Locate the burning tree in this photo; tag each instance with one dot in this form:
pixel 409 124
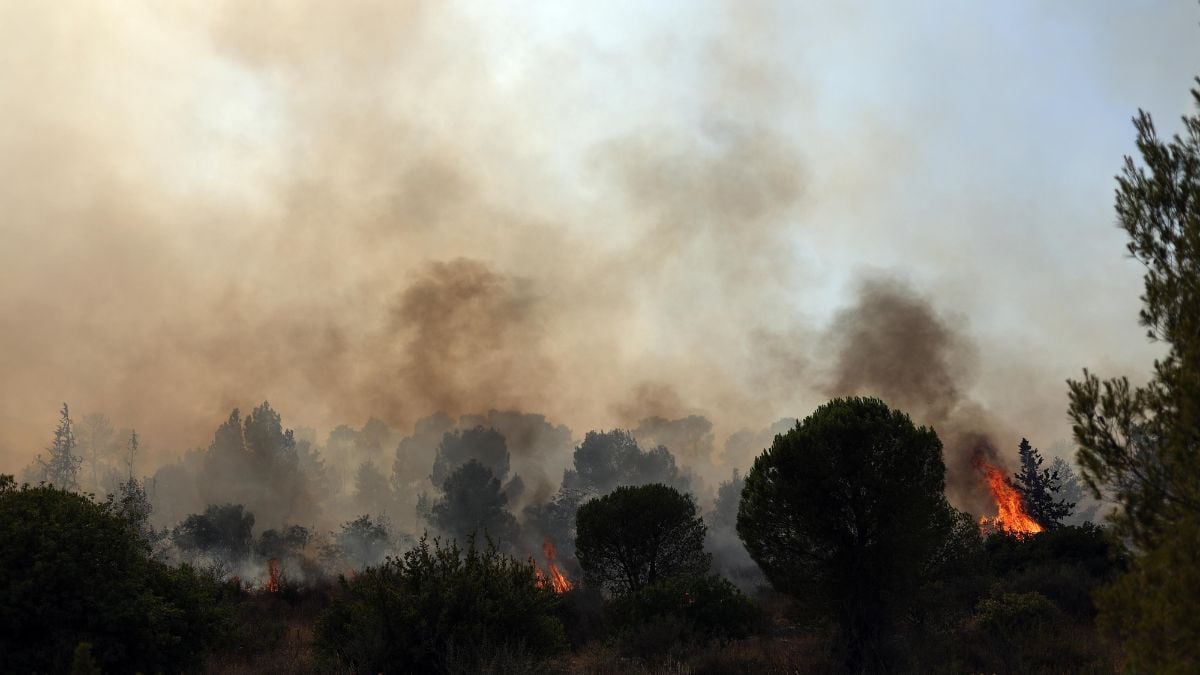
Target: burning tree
pixel 1011 516
pixel 1039 487
pixel 553 577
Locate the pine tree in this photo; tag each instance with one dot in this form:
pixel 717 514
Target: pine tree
pixel 61 468
pixel 1138 445
pixel 1039 488
pixel 133 448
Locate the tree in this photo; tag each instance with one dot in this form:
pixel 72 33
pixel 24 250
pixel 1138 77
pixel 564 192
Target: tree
pixel 364 542
pixel 225 531
pixel 1140 446
pixel 288 541
pixel 607 459
pixel 61 468
pixel 73 570
pixel 473 503
pixel 484 446
pixel 1039 487
pixel 635 536
pixel 372 491
pixel 255 462
pixel 97 442
pixel 845 512
pixel 1073 493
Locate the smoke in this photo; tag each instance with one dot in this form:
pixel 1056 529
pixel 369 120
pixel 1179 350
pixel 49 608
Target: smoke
pixel 892 344
pixel 422 212
pixel 344 211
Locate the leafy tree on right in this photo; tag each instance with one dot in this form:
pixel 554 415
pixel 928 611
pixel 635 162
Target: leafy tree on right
pixel 1140 446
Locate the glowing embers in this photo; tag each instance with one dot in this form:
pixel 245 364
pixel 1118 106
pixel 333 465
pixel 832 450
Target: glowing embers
pixel 1010 515
pixel 273 575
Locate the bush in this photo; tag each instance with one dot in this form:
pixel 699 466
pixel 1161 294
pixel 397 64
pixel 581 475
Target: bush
pixel 437 609
pixel 1011 614
pixel 1066 565
pixel 680 612
pixel 72 571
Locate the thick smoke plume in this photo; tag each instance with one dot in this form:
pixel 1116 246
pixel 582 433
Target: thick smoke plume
pixel 390 218
pixel 343 212
pixel 892 344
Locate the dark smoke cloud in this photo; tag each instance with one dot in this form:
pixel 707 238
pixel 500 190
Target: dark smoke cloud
pixel 396 209
pixel 892 344
pixel 345 211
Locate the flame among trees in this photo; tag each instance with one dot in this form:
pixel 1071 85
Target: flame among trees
pixel 1011 516
pixel 552 576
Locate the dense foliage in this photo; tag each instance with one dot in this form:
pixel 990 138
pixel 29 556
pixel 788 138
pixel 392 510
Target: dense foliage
pixel 845 512
pixel 73 571
pixel 439 608
pixel 680 613
pixel 636 536
pixel 225 531
pixel 1141 445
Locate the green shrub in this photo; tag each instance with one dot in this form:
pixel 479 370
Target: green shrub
pixel 1011 614
pixel 72 571
pixel 680 613
pixel 440 609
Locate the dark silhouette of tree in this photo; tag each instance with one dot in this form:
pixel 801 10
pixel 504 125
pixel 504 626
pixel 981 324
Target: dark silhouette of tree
pixel 133 451
pixel 287 542
pixel 473 503
pixel 607 459
pixel 1140 446
pixel 636 536
pixel 485 446
pixel 61 466
pixel 845 512
pixel 225 531
pixel 74 570
pixel 1040 488
pixel 131 499
pixel 363 541
pixel 255 462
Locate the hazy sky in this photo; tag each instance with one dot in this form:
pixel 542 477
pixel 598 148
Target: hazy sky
pixel 598 211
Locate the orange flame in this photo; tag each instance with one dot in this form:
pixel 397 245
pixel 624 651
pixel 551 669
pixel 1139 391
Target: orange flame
pixel 1011 516
pixel 554 578
pixel 273 575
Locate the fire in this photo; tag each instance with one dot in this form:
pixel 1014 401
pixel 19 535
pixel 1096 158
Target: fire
pixel 553 577
pixel 273 575
pixel 1011 516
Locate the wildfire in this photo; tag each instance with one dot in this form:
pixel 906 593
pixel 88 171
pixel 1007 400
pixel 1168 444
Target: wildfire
pixel 553 577
pixel 1011 516
pixel 273 575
